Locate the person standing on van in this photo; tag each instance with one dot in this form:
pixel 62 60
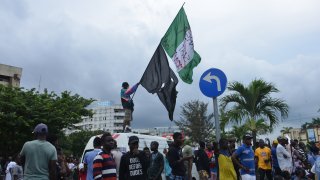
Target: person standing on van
pixel 133 164
pixel 104 165
pixel 127 104
pixel 156 162
pixel 175 158
pixel 89 157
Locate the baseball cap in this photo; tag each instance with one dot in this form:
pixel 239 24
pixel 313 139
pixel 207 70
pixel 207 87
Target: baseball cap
pixel 133 139
pixel 247 136
pixel 41 128
pixel 275 141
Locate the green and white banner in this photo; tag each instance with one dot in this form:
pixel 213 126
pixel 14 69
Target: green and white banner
pixel 178 43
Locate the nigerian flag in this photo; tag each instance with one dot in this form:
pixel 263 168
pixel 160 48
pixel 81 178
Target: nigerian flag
pixel 178 44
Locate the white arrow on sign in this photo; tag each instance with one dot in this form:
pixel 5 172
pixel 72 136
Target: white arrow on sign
pixel 209 78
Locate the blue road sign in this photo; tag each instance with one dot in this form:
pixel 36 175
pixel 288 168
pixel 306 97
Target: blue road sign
pixel 213 82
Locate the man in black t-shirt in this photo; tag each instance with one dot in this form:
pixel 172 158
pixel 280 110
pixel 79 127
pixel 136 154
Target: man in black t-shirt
pixel 175 158
pixel 133 164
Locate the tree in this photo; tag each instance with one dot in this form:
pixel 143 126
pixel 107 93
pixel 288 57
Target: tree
pixel 21 110
pixel 313 124
pixel 238 132
pixel 254 102
pixel 77 141
pixel 286 130
pixel 195 121
pixel 257 127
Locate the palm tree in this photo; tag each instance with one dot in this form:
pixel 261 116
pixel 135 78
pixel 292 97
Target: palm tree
pixel 238 132
pixel 316 122
pixel 253 102
pixel 257 127
pixel 286 130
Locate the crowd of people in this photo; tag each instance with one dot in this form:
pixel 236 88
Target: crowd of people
pixel 42 159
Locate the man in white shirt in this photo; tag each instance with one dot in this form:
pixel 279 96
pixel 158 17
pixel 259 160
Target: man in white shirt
pixel 284 157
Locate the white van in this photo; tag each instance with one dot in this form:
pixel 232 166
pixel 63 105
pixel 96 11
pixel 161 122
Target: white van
pixel 144 141
pixel 123 138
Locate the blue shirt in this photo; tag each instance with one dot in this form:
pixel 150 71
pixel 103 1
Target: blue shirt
pixel 274 157
pixel 88 160
pixel 246 157
pixel 317 167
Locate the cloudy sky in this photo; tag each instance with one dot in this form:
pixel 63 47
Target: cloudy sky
pixel 91 47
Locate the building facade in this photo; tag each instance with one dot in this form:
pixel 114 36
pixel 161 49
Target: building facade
pixel 10 75
pixel 107 116
pixel 304 135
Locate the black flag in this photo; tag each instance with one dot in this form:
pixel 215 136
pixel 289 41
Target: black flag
pixel 159 78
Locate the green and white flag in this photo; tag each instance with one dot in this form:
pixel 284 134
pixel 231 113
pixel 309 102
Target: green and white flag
pixel 178 44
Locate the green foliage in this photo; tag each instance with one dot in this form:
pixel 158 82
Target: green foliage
pixel 194 120
pixel 75 143
pixel 21 110
pixel 252 103
pixel 285 130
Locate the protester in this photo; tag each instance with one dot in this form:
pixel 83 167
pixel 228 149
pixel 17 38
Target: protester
pixel 82 172
pixel 39 156
pixel 104 166
pixel 316 166
pixel 117 154
pixel 127 104
pixel 89 157
pixel 17 171
pixel 133 164
pixel 275 164
pixel 232 149
pixel 212 164
pixel 225 164
pixel 156 164
pixel 202 162
pixel 246 157
pixel 303 152
pixel 313 152
pixel 284 158
pixel 263 156
pixel 167 168
pixel 147 152
pixel 11 163
pixel 175 158
pixel 187 152
pixel 63 171
pixel 297 157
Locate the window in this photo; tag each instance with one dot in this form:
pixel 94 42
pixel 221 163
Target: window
pixel 4 78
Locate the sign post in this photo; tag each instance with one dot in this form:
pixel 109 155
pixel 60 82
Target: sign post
pixel 213 83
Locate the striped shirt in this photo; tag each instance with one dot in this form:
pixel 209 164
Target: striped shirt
pixel 104 167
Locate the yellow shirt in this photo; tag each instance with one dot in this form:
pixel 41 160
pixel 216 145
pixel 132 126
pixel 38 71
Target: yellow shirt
pixel 263 154
pixel 226 169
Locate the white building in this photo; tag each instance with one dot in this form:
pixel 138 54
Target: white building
pixel 10 75
pixel 107 116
